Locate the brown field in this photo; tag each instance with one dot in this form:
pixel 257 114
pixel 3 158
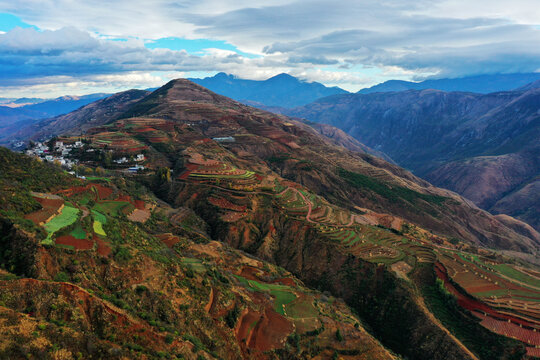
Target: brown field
pixel 78 244
pixel 50 207
pixel 103 248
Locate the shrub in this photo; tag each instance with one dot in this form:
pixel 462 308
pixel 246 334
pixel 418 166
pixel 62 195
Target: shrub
pixel 61 276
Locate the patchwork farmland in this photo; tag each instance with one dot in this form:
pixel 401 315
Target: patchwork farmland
pixel 76 218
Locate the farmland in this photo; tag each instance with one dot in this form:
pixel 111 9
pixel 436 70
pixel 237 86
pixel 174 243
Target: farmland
pixel 67 216
pixel 508 296
pixel 74 218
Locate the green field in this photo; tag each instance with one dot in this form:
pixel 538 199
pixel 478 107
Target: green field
pixel 78 232
pixel 512 273
pixel 282 293
pixel 67 216
pixel 99 220
pixel 300 309
pixel 194 264
pixel 282 298
pixel 94 178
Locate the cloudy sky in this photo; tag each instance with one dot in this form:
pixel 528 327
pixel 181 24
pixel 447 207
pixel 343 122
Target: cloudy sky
pixel 54 47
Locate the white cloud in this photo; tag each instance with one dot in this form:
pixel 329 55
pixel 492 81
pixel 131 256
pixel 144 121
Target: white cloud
pixel 402 38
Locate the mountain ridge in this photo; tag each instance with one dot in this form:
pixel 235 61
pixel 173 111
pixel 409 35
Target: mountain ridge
pixel 477 84
pixel 280 90
pixel 435 133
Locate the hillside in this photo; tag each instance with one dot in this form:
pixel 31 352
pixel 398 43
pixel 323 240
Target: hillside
pixel 407 257
pixel 93 114
pixel 460 141
pixel 281 90
pixel 97 280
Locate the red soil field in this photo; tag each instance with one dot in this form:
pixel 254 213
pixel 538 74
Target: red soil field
pixel 473 304
pixel 244 324
pixel 75 190
pixel 50 207
pixel 285 281
pixel 534 352
pixel 78 244
pixel 143 129
pixel 126 198
pixel 103 248
pixel 270 332
pixel 169 239
pixel 139 204
pixel 512 330
pixel 103 191
pixel 225 204
pixel 250 273
pixel 475 289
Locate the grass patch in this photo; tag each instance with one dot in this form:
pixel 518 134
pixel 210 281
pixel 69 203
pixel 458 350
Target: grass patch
pixel 388 191
pixel 301 309
pixel 99 220
pixel 282 298
pixel 282 293
pixel 67 216
pixel 111 208
pixel 78 232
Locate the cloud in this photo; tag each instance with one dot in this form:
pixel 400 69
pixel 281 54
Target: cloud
pixel 319 38
pixel 27 53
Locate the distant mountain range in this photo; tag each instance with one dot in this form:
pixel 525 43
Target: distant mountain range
pixel 482 84
pixel 485 147
pixel 281 90
pixel 94 114
pixel 12 119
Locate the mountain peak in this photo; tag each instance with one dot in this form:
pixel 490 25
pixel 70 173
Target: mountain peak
pixel 223 76
pixel 283 77
pixel 281 90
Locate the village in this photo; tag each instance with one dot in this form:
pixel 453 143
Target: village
pixel 62 153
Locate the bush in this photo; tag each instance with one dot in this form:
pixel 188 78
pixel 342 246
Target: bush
pixel 61 277
pixel 339 337
pixel 232 316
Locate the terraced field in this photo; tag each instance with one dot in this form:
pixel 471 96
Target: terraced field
pixel 506 298
pixel 63 213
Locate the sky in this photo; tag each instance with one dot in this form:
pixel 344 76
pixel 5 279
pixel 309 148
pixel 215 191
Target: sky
pixel 50 48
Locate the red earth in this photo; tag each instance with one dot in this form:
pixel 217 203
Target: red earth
pixel 169 239
pixel 472 304
pixel 103 248
pixel 49 208
pixel 78 244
